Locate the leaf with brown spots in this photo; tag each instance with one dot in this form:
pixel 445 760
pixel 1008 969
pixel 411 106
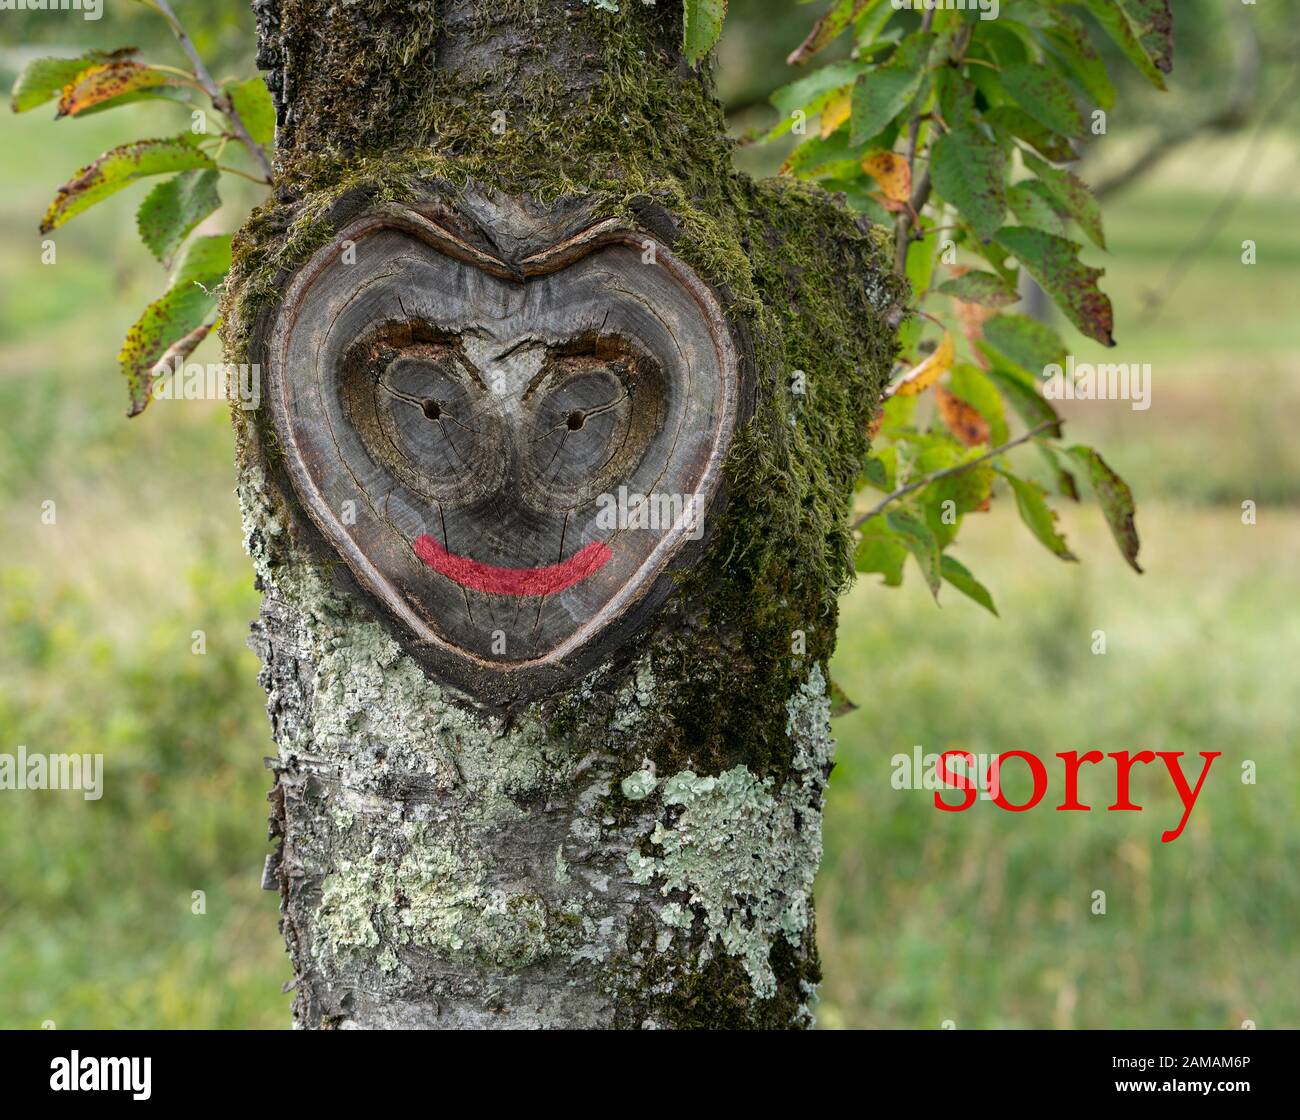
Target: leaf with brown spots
pixel 173 208
pixel 960 418
pixel 1072 195
pixel 970 171
pixel 175 315
pixel 1115 498
pixel 119 168
pixel 44 78
pixel 979 287
pixel 826 30
pixel 108 81
pixel 891 171
pixel 1054 263
pixel 1143 30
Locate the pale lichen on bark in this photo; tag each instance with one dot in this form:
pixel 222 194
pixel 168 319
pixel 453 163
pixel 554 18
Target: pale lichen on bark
pixel 434 850
pixel 718 850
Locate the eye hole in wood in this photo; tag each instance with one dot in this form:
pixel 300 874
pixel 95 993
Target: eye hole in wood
pixel 424 413
pixel 589 416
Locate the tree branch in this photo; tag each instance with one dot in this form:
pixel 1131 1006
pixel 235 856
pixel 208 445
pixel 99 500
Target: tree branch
pixel 219 98
pixel 934 476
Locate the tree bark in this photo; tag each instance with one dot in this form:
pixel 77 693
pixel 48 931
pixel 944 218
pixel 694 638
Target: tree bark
pixel 629 837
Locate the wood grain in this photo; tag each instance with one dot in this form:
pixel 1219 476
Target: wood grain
pixel 460 401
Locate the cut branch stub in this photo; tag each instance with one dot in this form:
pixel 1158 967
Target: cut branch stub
pixel 508 448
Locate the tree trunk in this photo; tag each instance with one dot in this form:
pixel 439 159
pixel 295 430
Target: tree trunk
pixel 579 792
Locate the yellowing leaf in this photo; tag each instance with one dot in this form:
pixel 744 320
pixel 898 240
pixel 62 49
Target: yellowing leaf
pixel 836 112
pixel 120 168
pixel 107 81
pixel 918 379
pixel 891 171
pixel 43 78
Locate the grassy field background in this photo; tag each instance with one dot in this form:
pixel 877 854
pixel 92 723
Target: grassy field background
pixel 983 918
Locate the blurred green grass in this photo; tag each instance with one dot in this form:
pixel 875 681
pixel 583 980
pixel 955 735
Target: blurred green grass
pixel 980 917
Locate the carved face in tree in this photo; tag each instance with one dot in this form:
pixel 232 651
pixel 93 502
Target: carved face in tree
pixel 507 441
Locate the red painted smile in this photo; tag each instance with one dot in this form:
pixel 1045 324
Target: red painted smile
pixel 513 581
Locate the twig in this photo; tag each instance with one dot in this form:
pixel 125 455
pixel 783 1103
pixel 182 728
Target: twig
pixel 921 191
pixel 219 98
pixel 934 476
pixel 909 154
pixel 1156 298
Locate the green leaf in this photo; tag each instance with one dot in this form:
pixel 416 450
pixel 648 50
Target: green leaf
pixel 1016 122
pixel 869 25
pixel 1020 391
pixel 1038 516
pixel 1073 195
pixel 810 93
pixel 1042 94
pixel 979 287
pixel 886 90
pixel 826 30
pixel 43 79
pixel 875 473
pixel 173 208
pixel 255 108
pixel 957 574
pixel 880 550
pixel 1034 205
pixel 968 489
pixel 970 171
pixel 841 705
pixel 897 415
pixel 1025 342
pixel 119 168
pixel 1065 484
pixel 1069 42
pixel 956 96
pixel 834 154
pixel 182 308
pixel 920 542
pixel 1054 263
pixel 1115 498
pixel 1143 30
pixel 702 27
